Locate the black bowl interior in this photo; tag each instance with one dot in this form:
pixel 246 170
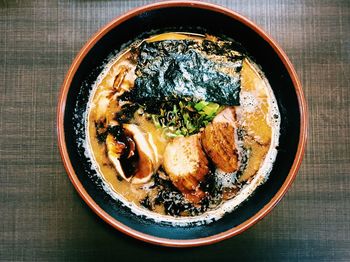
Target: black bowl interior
pixel 200 20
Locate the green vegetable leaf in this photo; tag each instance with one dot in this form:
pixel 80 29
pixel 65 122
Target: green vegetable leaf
pixel 185 117
pixel 200 105
pixel 156 121
pixel 211 109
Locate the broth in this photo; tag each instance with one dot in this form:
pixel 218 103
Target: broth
pixel 233 150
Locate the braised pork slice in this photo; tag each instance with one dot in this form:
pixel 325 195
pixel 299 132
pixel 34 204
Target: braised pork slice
pixel 218 140
pixel 186 164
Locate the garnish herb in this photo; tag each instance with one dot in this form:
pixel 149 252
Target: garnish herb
pixel 184 118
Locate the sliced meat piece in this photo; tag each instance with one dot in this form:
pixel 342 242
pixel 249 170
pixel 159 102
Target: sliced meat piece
pixel 218 140
pixel 186 164
pixel 228 115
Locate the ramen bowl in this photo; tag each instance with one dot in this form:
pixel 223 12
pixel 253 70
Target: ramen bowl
pixel 194 17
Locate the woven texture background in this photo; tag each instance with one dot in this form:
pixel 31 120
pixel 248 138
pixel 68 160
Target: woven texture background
pixel 42 218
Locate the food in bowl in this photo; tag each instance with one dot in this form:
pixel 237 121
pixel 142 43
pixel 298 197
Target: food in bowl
pixel 182 127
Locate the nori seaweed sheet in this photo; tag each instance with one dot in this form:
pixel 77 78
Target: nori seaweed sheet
pixel 172 69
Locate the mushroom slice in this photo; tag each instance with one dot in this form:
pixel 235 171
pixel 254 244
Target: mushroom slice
pixel 147 153
pixel 135 157
pixel 124 80
pixel 101 103
pixel 257 153
pixel 115 149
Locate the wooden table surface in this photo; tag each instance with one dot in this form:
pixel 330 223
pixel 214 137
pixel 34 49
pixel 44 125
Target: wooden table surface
pixel 42 218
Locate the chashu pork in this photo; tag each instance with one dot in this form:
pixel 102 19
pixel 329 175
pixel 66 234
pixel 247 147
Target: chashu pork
pixel 218 140
pixel 186 164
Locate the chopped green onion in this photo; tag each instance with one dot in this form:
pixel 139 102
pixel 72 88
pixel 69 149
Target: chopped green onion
pixel 175 109
pixel 185 117
pixel 211 108
pixel 156 121
pixel 199 106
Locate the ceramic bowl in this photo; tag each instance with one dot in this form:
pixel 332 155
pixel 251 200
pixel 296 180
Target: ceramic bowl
pixel 191 17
